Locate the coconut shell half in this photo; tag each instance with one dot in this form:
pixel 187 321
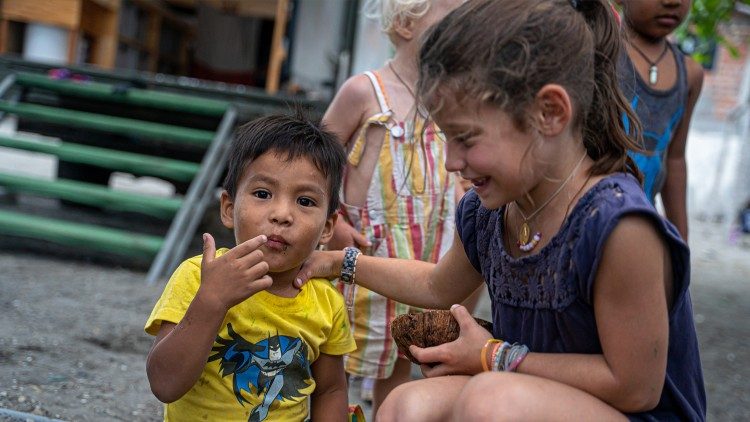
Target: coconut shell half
pixel 427 329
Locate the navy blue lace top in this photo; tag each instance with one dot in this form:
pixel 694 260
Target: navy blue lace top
pixel 545 300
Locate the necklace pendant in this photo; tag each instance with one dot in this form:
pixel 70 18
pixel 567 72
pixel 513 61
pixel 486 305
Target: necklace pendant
pixel 653 75
pixel 524 233
pixel 531 244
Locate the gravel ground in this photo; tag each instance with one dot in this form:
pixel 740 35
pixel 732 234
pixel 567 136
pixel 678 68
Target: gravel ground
pixel 72 345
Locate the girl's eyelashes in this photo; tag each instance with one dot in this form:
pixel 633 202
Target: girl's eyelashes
pixel 462 137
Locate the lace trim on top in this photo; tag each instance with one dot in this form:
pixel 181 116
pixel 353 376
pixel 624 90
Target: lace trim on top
pixel 548 279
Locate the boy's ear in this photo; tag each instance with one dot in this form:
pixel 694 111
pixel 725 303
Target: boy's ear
pixel 404 28
pixel 554 108
pixel 328 229
pixel 227 210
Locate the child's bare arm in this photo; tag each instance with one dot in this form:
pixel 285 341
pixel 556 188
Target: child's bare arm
pixel 631 295
pixel 330 400
pixel 417 283
pixel 347 110
pixel 674 192
pixel 180 351
pixel 344 117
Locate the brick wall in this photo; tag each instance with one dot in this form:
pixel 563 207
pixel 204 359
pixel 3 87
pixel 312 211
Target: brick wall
pixel 722 84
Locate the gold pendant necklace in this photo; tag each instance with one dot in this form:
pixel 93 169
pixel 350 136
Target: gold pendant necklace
pixel 526 241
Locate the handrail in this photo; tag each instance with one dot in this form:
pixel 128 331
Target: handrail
pixel 111 124
pixel 138 164
pixel 125 95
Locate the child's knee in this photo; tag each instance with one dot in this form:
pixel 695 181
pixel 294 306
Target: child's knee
pixel 403 403
pixel 481 394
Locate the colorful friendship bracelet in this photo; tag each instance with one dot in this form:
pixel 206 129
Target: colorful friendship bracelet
pixel 493 355
pixel 504 356
pixel 517 358
pixel 510 358
pixel 483 355
pixel 500 356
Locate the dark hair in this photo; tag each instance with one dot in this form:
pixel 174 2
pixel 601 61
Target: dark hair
pixel 504 52
pixel 294 136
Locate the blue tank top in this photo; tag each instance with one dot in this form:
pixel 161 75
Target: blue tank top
pixel 660 112
pixel 545 300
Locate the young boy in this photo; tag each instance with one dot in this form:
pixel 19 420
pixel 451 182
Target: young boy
pixel 662 86
pixel 235 340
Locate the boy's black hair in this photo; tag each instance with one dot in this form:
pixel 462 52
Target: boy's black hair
pixel 293 136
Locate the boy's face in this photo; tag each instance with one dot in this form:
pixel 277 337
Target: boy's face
pixel 654 19
pixel 287 202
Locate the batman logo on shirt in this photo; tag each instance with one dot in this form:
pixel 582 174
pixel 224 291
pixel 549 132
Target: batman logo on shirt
pixel 276 367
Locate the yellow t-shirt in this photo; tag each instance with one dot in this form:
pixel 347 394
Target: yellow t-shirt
pixel 260 362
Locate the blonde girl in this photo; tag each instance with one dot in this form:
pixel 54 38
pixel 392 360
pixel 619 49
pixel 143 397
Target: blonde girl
pixel 398 199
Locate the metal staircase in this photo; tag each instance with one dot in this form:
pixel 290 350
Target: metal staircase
pixel 97 121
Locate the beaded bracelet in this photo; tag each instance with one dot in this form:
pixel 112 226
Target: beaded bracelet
pixel 483 355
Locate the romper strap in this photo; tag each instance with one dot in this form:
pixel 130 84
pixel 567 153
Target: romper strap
pixel 379 91
pixel 358 147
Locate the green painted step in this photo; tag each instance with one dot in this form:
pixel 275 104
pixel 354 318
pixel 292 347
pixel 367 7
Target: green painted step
pixel 112 124
pixel 79 235
pixel 133 96
pixel 138 164
pixel 94 195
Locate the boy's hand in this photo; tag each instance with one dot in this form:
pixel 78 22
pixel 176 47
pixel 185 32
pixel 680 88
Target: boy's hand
pixel 234 276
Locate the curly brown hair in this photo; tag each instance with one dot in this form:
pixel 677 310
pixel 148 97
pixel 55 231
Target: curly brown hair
pixel 504 52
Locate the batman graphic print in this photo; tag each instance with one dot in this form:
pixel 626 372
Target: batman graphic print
pixel 275 368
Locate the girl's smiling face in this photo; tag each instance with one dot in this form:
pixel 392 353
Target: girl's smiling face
pixel 285 200
pixel 489 150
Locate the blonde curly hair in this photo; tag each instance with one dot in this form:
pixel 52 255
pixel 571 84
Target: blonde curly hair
pixel 388 12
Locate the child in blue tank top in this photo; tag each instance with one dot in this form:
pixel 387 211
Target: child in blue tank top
pixel 662 86
pixel 592 315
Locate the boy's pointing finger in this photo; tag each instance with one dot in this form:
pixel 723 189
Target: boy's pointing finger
pixel 209 248
pixel 248 246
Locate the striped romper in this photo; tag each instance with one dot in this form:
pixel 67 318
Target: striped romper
pixel 409 213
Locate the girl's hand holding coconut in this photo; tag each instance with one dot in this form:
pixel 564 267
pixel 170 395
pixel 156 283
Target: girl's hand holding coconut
pixel 458 357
